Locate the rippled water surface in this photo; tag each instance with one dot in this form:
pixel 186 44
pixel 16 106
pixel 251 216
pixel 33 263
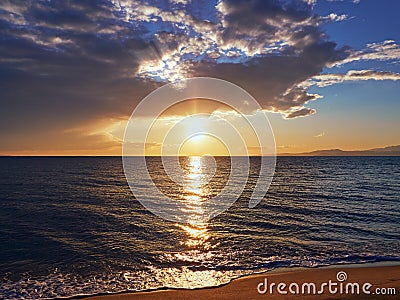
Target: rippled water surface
pixel 71 226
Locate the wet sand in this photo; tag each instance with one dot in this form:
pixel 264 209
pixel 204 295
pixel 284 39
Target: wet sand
pixel 379 275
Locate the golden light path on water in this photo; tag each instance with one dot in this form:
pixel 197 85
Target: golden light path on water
pixel 195 194
pixel 198 247
pixel 197 244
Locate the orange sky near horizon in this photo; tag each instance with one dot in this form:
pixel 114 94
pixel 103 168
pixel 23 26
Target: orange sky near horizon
pixel 104 138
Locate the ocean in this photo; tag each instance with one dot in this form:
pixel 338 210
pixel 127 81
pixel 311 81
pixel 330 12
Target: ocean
pixel 71 226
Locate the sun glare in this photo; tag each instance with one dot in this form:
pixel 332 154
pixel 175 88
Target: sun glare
pixel 202 144
pixel 198 124
pixel 189 130
pixel 198 139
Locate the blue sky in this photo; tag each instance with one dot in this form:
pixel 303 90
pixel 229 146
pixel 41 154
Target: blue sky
pixel 369 21
pixel 368 104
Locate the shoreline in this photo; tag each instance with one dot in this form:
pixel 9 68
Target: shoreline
pixel 385 274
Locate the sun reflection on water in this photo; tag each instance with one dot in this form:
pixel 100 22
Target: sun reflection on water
pixel 194 180
pixel 198 244
pixel 195 193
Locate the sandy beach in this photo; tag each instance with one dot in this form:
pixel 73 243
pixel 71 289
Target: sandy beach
pixel 381 276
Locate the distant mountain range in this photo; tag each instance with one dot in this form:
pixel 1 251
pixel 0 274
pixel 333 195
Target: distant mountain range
pixel 387 151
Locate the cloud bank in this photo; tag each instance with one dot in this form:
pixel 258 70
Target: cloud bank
pixel 67 63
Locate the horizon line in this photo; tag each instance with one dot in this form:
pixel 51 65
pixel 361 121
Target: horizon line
pixel 280 155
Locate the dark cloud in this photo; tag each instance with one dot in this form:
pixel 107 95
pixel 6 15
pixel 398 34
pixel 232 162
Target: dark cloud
pixel 274 80
pixel 266 20
pixel 56 74
pixel 300 113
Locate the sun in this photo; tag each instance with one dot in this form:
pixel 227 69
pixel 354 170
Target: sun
pixel 203 144
pixel 198 139
pixel 198 123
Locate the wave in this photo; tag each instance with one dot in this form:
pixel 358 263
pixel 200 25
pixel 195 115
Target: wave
pixel 60 285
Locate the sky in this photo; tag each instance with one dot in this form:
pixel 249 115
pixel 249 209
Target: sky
pixel 325 72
